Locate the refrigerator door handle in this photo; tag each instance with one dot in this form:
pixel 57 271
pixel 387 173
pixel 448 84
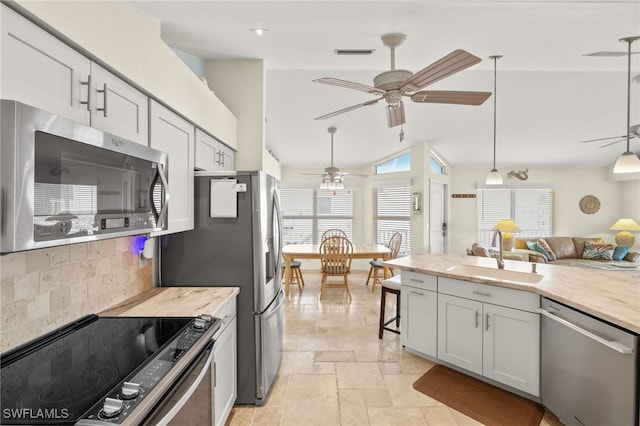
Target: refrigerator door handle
pixel 278 301
pixel 277 227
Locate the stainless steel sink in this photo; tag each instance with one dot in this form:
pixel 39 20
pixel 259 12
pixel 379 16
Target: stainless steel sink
pixel 496 274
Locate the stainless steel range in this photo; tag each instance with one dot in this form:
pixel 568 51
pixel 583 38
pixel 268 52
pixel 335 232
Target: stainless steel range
pixel 106 371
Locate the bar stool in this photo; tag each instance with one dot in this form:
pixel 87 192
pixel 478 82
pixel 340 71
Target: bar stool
pixel 392 285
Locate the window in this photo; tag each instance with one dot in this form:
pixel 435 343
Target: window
pixel 393 212
pixel 307 213
pixel 400 163
pixel 436 166
pixel 531 209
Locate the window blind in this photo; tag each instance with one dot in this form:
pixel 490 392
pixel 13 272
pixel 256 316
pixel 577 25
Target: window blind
pixel 393 214
pixel 531 209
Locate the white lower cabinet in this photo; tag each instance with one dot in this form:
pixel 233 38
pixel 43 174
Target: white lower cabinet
pixel 418 316
pixel 174 135
pixel 225 366
pixel 490 339
pixel 488 330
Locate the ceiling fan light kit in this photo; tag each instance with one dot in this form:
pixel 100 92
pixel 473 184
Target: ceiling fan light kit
pixel 394 84
pixel 628 162
pixel 494 177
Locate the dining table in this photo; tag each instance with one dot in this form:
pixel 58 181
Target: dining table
pixel 312 251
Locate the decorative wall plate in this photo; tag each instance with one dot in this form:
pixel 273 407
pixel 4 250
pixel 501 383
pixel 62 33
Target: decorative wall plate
pixel 589 204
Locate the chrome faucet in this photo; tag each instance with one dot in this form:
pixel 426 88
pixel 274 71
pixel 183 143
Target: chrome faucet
pixel 498 233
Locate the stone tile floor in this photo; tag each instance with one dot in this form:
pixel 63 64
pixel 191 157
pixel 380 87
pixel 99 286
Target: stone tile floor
pixel 335 370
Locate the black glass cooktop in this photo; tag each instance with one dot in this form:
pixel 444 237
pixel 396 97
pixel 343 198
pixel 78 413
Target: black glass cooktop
pixel 53 381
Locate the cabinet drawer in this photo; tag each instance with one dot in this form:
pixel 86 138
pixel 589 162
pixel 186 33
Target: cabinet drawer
pixel 423 281
pixel 512 298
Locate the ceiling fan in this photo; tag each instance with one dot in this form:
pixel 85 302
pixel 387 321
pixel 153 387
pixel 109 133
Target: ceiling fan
pixel 634 132
pixel 392 85
pixel 332 178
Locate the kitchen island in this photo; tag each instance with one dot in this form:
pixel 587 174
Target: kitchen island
pixel 609 295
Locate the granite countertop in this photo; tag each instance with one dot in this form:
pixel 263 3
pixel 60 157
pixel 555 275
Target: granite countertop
pixel 613 296
pixel 174 302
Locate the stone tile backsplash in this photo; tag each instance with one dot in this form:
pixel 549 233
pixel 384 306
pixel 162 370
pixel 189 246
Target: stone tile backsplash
pixel 41 290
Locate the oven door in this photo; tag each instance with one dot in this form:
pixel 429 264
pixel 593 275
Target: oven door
pixel 190 400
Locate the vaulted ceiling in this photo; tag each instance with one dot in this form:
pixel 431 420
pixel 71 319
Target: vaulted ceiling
pixel 549 95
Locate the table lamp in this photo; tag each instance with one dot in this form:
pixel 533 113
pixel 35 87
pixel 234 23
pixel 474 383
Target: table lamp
pixel 624 237
pixel 507 226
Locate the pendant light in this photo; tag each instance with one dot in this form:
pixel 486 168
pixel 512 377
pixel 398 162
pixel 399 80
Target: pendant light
pixel 494 177
pixel 628 162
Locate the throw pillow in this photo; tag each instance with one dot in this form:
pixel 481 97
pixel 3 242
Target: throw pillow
pixel 620 252
pixel 542 243
pixel 598 251
pixel 531 245
pixel 543 251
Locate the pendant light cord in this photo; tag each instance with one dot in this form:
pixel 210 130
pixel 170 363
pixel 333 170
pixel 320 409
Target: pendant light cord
pixel 629 96
pixel 495 91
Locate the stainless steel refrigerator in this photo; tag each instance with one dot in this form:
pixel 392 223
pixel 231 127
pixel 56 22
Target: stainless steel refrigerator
pixel 236 241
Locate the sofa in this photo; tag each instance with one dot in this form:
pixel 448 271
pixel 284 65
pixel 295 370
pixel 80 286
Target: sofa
pixel 571 250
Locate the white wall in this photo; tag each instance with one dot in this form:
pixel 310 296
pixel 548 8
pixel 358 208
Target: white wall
pixel 571 184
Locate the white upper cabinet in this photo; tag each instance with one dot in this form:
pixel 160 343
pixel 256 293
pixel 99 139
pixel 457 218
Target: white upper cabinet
pixel 174 135
pixel 118 107
pixel 40 70
pixel 211 154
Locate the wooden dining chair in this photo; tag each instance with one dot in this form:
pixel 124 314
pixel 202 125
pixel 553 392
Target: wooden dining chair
pixel 334 232
pixel 335 261
pixel 296 273
pixel 376 265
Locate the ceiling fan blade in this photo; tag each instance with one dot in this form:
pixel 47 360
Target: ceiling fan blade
pixel 313 174
pixel 604 139
pixel 444 67
pixel 343 110
pixel 395 114
pixel 613 143
pixel 349 85
pixel 345 173
pixel 450 97
pixel 609 53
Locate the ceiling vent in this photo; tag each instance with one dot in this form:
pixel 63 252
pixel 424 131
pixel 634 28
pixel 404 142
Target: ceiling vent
pixel 353 51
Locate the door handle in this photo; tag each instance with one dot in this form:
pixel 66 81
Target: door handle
pixel 444 229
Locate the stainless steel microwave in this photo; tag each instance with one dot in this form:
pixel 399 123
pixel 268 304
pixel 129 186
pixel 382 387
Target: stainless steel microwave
pixel 63 182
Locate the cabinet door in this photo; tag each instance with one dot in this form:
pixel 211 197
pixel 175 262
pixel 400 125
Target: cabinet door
pixel 226 157
pixel 225 377
pixel 460 332
pixel 172 134
pixel 118 107
pixel 39 70
pixel 206 151
pixel 419 320
pixel 511 349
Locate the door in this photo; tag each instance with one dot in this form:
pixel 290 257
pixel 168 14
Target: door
pixel 175 136
pixel 460 332
pixel 419 320
pixel 269 350
pixel 511 347
pixel 437 218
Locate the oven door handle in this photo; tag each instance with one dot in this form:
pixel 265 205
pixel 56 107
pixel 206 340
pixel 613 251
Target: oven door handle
pixel 182 401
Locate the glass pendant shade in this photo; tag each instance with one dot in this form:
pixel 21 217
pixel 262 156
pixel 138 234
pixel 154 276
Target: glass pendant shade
pixel 628 162
pixel 494 178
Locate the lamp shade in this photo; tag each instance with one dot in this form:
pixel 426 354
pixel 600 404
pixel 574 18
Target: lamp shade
pixel 624 237
pixel 628 162
pixel 506 225
pixel 494 178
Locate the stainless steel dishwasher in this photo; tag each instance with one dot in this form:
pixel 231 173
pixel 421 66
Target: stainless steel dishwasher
pixel 589 368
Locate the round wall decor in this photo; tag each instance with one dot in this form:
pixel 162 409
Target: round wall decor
pixel 589 204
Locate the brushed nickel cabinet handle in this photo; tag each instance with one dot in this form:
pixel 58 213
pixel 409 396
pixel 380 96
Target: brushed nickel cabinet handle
pixel 477 319
pixel 482 293
pixel 88 84
pixel 104 103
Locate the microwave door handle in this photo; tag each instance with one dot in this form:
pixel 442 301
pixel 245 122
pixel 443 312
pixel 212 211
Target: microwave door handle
pixel 162 216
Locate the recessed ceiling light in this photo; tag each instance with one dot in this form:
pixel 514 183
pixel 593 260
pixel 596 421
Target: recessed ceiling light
pixel 259 31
